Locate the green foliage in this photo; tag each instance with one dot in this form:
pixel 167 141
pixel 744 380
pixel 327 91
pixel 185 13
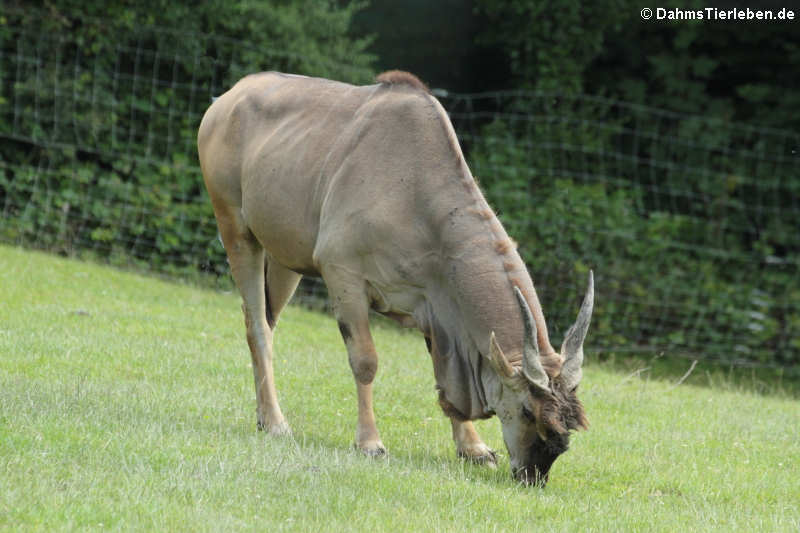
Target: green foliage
pixel 102 105
pixel 683 257
pixel 308 36
pixel 550 44
pixel 688 220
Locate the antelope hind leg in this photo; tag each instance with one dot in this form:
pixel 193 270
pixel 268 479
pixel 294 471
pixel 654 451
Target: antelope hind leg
pixel 247 260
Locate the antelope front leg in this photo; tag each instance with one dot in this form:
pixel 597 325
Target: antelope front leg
pixel 469 444
pixel 351 308
pixel 364 364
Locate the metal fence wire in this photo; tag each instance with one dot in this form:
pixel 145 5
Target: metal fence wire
pixel 690 223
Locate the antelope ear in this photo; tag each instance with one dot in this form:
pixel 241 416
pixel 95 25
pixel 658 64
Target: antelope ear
pixel 499 362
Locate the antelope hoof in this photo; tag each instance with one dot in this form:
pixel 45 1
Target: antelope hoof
pixel 276 429
pixel 372 449
pixel 479 455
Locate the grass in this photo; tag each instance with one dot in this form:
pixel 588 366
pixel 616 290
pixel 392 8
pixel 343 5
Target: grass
pixel 127 403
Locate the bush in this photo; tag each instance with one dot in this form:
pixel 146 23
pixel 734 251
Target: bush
pixel 100 104
pixel 677 267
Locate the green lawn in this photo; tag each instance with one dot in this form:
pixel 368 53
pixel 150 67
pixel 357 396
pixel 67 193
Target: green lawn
pixel 127 402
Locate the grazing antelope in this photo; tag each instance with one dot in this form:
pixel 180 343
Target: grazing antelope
pixel 367 188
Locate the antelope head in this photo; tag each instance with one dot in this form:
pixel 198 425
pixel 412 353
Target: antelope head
pixel 538 411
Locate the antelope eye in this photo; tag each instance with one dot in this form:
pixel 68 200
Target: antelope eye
pixel 527 413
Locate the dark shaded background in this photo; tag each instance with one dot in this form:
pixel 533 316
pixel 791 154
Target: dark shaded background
pixel 736 70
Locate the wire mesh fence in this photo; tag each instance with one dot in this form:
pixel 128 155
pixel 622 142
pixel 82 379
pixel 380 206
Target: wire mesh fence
pixel 690 223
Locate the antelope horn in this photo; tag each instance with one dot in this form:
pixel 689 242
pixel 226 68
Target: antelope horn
pixel 572 347
pixel 532 367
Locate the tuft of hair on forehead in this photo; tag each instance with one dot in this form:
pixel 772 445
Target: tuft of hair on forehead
pixel 401 77
pixel 560 411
